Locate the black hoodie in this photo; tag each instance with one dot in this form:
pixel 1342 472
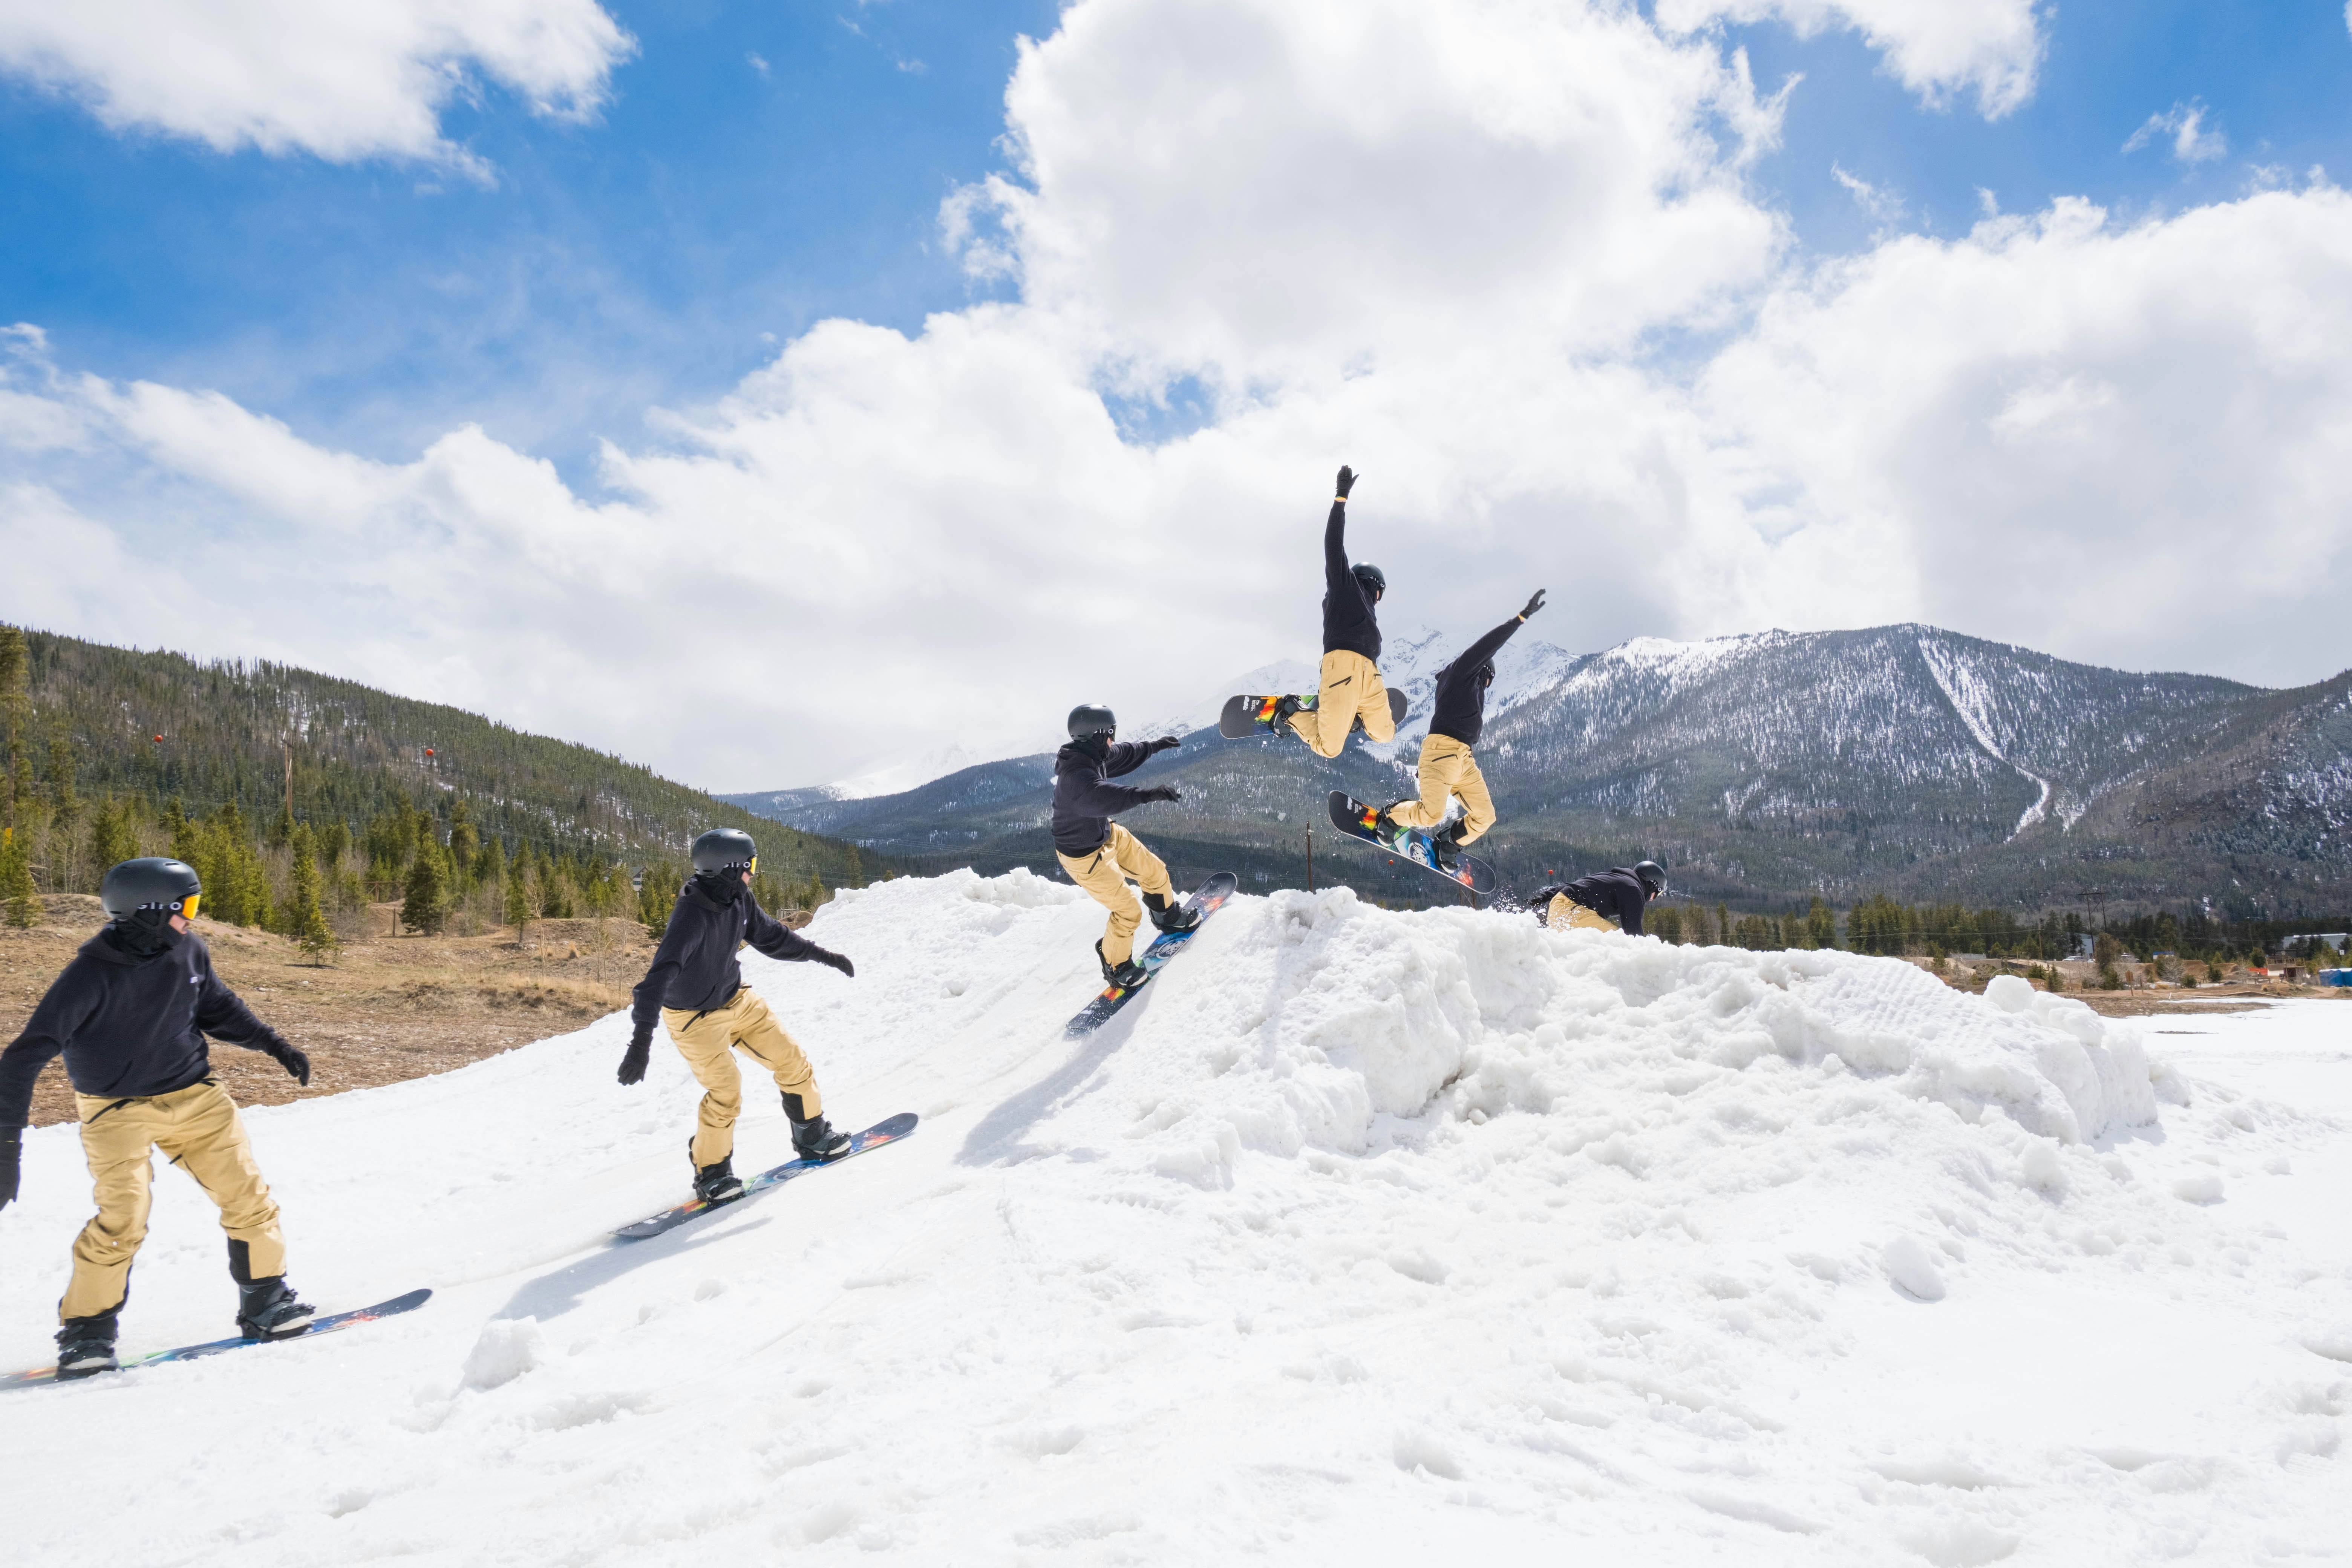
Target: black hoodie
pixel 1348 619
pixel 1616 893
pixel 1460 702
pixel 1085 800
pixel 695 967
pixel 129 1028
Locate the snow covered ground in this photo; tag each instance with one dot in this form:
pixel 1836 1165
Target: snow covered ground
pixel 1361 1238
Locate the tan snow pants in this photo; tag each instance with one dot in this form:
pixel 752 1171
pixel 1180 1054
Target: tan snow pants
pixel 198 1130
pixel 1567 914
pixel 709 1042
pixel 1351 690
pixel 1104 875
pixel 1447 768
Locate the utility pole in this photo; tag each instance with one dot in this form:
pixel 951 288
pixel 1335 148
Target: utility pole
pixel 286 749
pixel 1310 857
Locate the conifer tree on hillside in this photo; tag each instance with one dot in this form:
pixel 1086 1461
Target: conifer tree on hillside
pixel 462 843
pixel 425 908
pixel 113 834
pixel 16 880
pixel 16 727
pixel 306 921
pixel 520 906
pixel 657 895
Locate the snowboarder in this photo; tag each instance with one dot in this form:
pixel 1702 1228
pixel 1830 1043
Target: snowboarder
pixel 1447 767
pixel 695 988
pixel 1098 853
pixel 1608 900
pixel 1351 692
pixel 129 1014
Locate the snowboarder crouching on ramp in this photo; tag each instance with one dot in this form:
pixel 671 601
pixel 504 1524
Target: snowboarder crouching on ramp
pixel 694 986
pixel 1447 767
pixel 1608 900
pixel 1351 692
pixel 129 1014
pixel 1098 853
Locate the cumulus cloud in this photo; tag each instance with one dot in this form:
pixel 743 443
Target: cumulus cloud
pixel 344 82
pixel 1934 48
pixel 1440 242
pixel 2185 124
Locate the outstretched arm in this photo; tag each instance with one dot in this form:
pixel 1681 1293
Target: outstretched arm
pixel 1335 534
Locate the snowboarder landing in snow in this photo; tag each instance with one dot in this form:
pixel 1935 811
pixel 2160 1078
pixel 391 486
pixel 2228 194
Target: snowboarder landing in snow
pixel 1447 766
pixel 1607 900
pixel 1098 853
pixel 694 986
pixel 1352 692
pixel 129 1014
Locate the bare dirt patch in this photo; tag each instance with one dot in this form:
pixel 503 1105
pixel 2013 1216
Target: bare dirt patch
pixel 387 1009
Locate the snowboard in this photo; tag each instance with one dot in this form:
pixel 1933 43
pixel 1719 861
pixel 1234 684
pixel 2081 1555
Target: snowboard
pixel 1096 1012
pixel 1354 818
pixel 874 1137
pixel 318 1326
pixel 1247 716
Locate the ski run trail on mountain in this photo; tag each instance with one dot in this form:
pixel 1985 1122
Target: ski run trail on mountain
pixel 1362 1237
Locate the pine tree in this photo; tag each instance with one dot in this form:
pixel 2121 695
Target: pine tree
pixel 306 921
pixel 815 896
pixel 427 907
pixel 463 842
pixel 113 834
pixel 16 725
pixel 856 869
pixel 16 880
pixel 656 896
pixel 519 904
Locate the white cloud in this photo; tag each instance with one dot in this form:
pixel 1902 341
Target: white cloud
pixel 1884 206
pixel 346 80
pixel 1935 48
pixel 2185 123
pixel 1436 241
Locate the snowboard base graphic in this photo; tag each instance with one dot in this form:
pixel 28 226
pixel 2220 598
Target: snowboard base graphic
pixel 1247 716
pixel 1357 820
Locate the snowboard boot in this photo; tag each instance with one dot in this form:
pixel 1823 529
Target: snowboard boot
pixel 86 1345
pixel 814 1138
pixel 1128 976
pixel 1170 915
pixel 714 1183
pixel 1284 709
pixel 268 1309
pixel 1445 847
pixel 1385 826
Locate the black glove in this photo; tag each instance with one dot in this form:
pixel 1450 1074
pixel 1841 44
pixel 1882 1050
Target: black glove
pixel 12 1149
pixel 297 1065
pixel 633 1066
pixel 1347 480
pixel 1164 792
pixel 1167 742
pixel 1533 605
pixel 832 960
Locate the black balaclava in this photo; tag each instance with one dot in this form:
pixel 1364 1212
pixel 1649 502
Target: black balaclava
pixel 722 887
pixel 142 934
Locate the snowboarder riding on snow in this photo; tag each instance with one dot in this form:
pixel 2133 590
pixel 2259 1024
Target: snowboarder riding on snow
pixel 1447 768
pixel 1098 853
pixel 694 986
pixel 1609 900
pixel 129 1014
pixel 1351 692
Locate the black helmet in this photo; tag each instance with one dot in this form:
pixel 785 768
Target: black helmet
pixel 149 883
pixel 726 849
pixel 1653 877
pixel 1089 720
pixel 1375 580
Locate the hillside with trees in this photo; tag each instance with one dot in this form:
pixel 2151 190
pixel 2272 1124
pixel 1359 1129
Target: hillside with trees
pixel 300 798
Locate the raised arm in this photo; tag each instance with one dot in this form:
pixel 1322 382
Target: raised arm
pixel 1335 534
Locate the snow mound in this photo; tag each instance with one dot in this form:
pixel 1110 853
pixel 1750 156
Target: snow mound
pixel 1358 1236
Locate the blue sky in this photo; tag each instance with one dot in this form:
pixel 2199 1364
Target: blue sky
pixel 684 267
pixel 714 209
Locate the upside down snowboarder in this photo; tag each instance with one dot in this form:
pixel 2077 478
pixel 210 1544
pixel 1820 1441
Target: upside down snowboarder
pixel 1098 853
pixel 129 1014
pixel 695 988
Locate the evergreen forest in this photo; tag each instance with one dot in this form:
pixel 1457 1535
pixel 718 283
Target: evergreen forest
pixel 300 798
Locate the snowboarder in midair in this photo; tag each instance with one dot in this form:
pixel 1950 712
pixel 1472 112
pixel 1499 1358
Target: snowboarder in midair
pixel 1607 900
pixel 1447 767
pixel 129 1014
pixel 695 988
pixel 1098 853
pixel 1351 692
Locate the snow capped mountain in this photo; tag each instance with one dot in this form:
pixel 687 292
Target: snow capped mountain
pixel 1777 765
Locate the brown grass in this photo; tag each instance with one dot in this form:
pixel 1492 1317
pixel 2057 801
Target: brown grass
pixel 388 1008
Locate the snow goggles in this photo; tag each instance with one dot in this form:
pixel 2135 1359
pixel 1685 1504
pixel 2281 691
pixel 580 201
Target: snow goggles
pixel 185 907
